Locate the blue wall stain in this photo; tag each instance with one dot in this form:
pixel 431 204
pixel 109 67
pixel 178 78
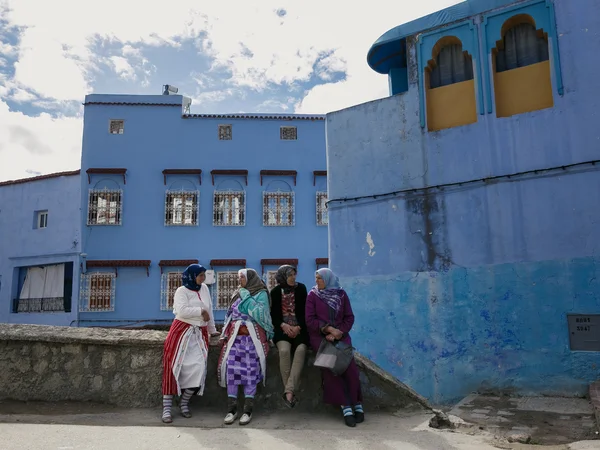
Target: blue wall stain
pixel 480 279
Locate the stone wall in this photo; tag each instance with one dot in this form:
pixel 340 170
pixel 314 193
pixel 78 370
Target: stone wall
pixel 123 367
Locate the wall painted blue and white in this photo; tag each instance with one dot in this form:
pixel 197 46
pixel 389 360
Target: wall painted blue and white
pixel 467 288
pixel 158 137
pixel 23 243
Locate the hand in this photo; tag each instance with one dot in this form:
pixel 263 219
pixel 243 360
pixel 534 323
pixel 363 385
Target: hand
pixel 287 330
pixel 296 330
pixel 330 337
pixel 205 316
pixel 337 334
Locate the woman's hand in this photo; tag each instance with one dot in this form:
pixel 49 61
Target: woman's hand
pixel 330 337
pixel 337 334
pixel 287 330
pixel 205 315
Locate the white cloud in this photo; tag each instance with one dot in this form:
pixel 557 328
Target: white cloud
pixel 123 68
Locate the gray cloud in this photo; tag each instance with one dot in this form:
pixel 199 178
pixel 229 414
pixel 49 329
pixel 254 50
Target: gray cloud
pixel 22 136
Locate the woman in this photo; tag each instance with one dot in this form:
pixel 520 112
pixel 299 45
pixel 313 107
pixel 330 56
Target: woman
pixel 329 316
pixel 288 303
pixel 245 344
pixel 186 347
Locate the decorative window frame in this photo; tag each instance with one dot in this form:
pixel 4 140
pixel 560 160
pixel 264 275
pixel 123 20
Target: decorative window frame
pixel 279 212
pixel 229 209
pixel 542 12
pixel 167 288
pixel 225 132
pixel 270 279
pixel 85 291
pixel 120 127
pixel 230 279
pixel 288 133
pixel 322 211
pixel 94 209
pixel 171 211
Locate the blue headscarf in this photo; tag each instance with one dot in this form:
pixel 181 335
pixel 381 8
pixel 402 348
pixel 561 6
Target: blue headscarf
pixel 188 277
pixel 332 294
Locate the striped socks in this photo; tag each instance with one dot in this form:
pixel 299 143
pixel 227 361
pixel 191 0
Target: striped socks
pixel 359 409
pixel 184 404
pixel 347 411
pixel 167 403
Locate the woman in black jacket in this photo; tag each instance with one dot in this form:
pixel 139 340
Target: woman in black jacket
pixel 288 301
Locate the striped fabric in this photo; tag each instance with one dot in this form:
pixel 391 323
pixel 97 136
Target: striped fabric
pixel 172 343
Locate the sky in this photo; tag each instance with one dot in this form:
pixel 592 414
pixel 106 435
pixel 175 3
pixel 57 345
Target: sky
pixel 229 56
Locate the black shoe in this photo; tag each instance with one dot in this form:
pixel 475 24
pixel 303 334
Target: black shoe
pixel 350 420
pixel 359 417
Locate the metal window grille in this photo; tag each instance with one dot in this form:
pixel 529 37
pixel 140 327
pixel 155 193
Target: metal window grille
pixel 225 132
pixel 229 208
pixel 117 127
pixel 271 280
pixel 105 207
pixel 288 133
pixel 49 304
pixel 169 283
pixel 97 292
pixel 278 209
pixel 181 208
pixel 322 216
pixel 227 283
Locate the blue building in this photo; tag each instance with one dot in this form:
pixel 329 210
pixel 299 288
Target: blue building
pixel 162 188
pixel 471 248
pixel 39 249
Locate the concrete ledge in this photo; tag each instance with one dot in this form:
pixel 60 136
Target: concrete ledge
pixel 595 401
pixel 124 367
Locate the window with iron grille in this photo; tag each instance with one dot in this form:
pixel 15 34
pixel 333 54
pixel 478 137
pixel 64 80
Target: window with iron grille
pixel 97 292
pixel 227 283
pixel 229 208
pixel 116 126
pixel 278 209
pixel 225 132
pixel 181 208
pixel 271 280
pixel 170 282
pixel 322 217
pixel 288 133
pixel 104 207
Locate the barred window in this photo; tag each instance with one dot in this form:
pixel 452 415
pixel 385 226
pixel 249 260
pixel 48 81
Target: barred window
pixel 181 208
pixel 170 282
pixel 322 217
pixel 104 207
pixel 225 132
pixel 271 280
pixel 278 209
pixel 227 283
pixel 229 208
pixel 97 292
pixel 288 133
pixel 116 126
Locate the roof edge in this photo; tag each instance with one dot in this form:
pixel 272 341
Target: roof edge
pixel 40 177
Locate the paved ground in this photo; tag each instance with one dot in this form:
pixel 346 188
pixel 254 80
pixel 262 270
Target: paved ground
pixel 96 427
pixel 547 420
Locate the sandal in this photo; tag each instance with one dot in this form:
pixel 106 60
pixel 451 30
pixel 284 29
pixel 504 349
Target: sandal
pixel 287 402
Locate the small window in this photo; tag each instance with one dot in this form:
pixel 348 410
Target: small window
pixel 97 292
pixel 288 133
pixel 42 220
pixel 227 283
pixel 322 217
pixel 104 207
pixel 229 208
pixel 181 208
pixel 522 46
pixel 170 282
pixel 116 126
pixel 271 280
pixel 278 209
pixel 225 132
pixel 451 65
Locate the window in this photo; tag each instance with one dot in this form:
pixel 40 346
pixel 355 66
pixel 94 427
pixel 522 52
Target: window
pixel 278 209
pixel 229 208
pixel 42 219
pixel 104 207
pixel 170 282
pixel 181 208
pixel 97 292
pixel 225 133
pixel 521 46
pixel 271 280
pixel 451 65
pixel 116 126
pixel 322 217
pixel 45 289
pixel 227 283
pixel 288 133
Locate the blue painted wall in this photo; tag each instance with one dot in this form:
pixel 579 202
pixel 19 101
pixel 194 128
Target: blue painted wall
pixel 468 288
pixel 158 138
pixel 23 245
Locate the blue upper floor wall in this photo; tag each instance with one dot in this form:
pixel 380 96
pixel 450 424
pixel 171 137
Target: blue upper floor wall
pixel 156 136
pixel 39 226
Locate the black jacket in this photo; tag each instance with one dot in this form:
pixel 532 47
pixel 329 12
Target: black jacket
pixel 277 315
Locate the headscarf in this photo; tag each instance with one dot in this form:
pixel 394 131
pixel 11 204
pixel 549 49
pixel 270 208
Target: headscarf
pixel 254 284
pixel 188 277
pixel 282 275
pixel 332 293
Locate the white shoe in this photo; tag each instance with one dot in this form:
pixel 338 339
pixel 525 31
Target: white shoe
pixel 230 418
pixel 245 419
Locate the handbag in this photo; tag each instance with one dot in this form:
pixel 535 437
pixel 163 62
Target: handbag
pixel 334 356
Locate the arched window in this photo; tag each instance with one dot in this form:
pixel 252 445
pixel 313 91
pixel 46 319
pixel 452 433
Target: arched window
pixel 522 80
pixel 450 86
